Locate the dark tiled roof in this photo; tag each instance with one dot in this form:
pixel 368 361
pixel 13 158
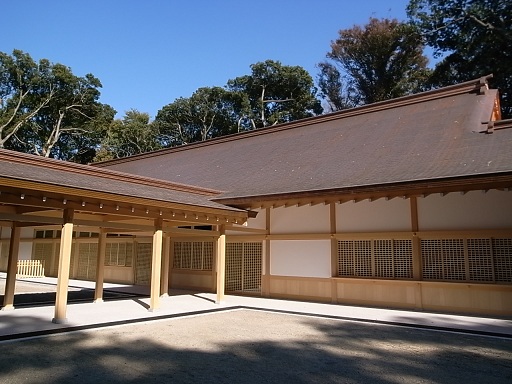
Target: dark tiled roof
pixel 428 136
pixel 54 172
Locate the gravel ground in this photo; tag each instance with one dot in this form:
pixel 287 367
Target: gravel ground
pixel 247 346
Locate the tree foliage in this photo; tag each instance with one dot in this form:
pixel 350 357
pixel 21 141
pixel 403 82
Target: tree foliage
pixel 129 136
pixel 46 110
pixel 473 36
pixel 274 93
pixel 271 94
pixel 378 61
pixel 208 113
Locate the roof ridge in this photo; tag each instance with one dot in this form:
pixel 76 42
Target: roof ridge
pixel 29 159
pixel 451 90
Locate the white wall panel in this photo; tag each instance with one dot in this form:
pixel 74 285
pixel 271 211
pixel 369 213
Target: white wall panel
pixel 259 222
pixel 375 216
pixel 306 219
pixel 25 252
pixel 305 258
pixel 474 210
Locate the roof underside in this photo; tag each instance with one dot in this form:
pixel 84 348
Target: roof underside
pixel 434 139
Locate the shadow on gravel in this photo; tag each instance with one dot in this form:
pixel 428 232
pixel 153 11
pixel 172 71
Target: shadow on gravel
pixel 309 351
pixel 48 298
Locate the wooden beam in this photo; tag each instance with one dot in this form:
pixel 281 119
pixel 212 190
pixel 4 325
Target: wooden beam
pixel 156 266
pixel 164 282
pixel 12 267
pixel 100 267
pixel 64 264
pixel 221 264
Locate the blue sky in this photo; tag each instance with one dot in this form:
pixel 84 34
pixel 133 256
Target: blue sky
pixel 147 53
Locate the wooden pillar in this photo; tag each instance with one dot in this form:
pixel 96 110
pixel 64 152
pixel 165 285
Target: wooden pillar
pixel 416 252
pixel 221 263
pixel 100 267
pixel 66 240
pixel 164 282
pixel 266 275
pixel 12 267
pixel 156 266
pixel 334 253
pixel 416 246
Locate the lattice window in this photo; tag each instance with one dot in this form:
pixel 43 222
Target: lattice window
pixel 402 254
pixel 234 266
pixel 480 260
pixel 432 257
pixel 381 258
pixel 119 254
pixel 143 264
pixel 43 251
pixel 502 251
pixel 384 263
pixel 346 258
pixel 453 259
pixel 176 262
pixel 87 260
pixel 208 255
pixel 196 255
pixel 252 267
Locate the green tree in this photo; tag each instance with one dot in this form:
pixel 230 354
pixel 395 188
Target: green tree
pixel 379 61
pixel 46 110
pixel 132 135
pixel 208 113
pixel 472 38
pixel 274 93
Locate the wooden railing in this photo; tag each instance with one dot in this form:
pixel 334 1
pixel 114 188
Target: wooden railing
pixel 30 268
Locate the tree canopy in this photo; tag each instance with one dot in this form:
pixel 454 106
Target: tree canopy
pixel 381 60
pixel 472 38
pixel 47 110
pixel 129 136
pixel 275 93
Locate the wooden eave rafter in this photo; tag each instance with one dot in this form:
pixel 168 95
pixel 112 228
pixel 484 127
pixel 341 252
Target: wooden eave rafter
pixel 372 193
pixel 20 200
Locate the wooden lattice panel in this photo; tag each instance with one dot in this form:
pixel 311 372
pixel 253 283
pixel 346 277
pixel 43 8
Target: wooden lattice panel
pixel 363 258
pixel 384 263
pixel 207 255
pixel 480 260
pixel 432 259
pixel 176 261
pixel 402 254
pixel 233 267
pixel 453 259
pixel 143 263
pixel 346 258
pixel 252 253
pixel 44 252
pixel 87 261
pixel 197 255
pixel 502 251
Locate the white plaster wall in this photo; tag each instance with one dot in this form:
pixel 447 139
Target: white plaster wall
pixel 25 252
pixel 259 222
pixel 6 232
pixel 376 216
pixel 305 219
pixel 27 233
pixel 304 258
pixel 474 210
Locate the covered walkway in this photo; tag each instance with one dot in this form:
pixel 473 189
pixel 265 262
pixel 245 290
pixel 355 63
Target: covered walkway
pixel 34 321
